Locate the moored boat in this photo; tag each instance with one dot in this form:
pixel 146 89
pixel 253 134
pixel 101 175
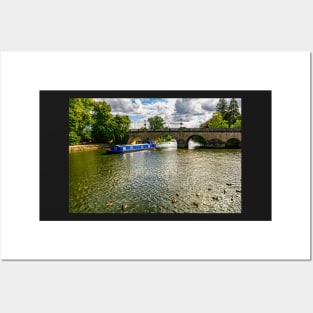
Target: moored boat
pixel 147 145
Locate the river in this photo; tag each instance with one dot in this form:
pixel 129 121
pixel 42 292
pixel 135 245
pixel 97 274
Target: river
pixel 158 181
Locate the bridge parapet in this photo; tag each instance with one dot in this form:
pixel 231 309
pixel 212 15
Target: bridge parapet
pixel 214 137
pixel 183 129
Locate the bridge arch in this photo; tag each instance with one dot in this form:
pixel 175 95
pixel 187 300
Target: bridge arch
pixel 197 139
pixel 233 143
pixel 215 143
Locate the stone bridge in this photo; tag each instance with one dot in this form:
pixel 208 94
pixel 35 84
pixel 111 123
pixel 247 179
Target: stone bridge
pixel 214 137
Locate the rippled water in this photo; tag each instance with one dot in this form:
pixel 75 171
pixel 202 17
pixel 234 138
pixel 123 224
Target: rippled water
pixel 148 181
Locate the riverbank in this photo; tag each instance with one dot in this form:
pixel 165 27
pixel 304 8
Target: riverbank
pixel 88 147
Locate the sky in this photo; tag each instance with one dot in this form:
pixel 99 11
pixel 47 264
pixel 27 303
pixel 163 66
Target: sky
pixel 191 111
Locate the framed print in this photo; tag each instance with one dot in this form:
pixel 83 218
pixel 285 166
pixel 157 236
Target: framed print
pixel 243 193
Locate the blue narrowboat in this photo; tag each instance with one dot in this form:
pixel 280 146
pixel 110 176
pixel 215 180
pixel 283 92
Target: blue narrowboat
pixel 147 145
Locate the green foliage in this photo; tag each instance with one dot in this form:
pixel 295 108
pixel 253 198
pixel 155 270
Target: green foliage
pixel 102 127
pixel 164 138
pixel 217 121
pixel 93 121
pixel 156 122
pixel 74 139
pixel 79 119
pixel 232 113
pixel 237 124
pixel 228 115
pixel 120 130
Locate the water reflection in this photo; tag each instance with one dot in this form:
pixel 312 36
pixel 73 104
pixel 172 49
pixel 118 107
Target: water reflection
pixel 193 144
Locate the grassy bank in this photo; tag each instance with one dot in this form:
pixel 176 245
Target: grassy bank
pixel 89 147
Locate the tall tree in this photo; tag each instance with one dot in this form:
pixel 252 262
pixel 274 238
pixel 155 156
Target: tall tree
pixel 222 107
pixel 121 128
pixel 156 122
pixel 233 112
pixel 102 126
pixel 80 119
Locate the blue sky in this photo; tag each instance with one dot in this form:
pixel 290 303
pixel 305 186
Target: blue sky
pixel 192 111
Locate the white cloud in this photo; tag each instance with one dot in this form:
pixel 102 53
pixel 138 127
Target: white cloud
pixel 191 111
pixel 123 106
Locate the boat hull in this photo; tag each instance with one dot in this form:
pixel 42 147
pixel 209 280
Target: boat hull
pixel 131 148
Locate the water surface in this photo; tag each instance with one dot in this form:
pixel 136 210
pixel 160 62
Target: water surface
pixel 148 181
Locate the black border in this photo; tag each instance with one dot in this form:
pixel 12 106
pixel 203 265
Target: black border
pixel 256 155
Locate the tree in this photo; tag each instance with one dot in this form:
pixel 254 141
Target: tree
pixel 156 122
pixel 216 121
pixel 91 120
pixel 222 107
pixel 80 120
pixel 237 124
pixel 232 113
pixel 103 125
pixel 228 115
pixel 121 128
